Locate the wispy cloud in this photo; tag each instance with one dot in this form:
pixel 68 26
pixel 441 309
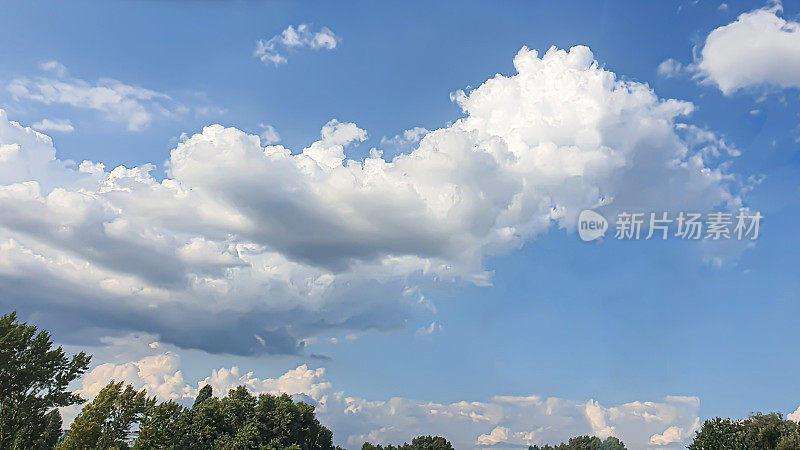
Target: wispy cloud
pixel 55 67
pixel 135 107
pixel 57 125
pixel 405 141
pixel 429 330
pixel 270 50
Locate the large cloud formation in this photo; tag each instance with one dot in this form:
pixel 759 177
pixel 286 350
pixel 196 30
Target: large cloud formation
pixel 759 48
pixel 249 249
pixel 502 421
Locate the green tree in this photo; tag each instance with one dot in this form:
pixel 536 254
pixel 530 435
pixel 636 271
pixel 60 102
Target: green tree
pixel 164 426
pixel 105 422
pixel 51 424
pixel 418 443
pixel 790 442
pixel 719 434
pixel 585 443
pixel 266 421
pixel 759 431
pixel 612 443
pixel 430 443
pixel 768 430
pixel 205 393
pixel 53 433
pixel 33 380
pixel 238 421
pixel 205 424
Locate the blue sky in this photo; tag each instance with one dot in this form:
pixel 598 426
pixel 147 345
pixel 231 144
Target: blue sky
pixel 614 322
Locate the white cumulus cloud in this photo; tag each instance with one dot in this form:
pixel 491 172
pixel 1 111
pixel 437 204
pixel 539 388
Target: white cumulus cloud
pixel 675 435
pixel 760 48
pixel 795 415
pixel 245 248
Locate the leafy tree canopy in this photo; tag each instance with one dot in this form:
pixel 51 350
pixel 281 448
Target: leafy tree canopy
pixel 106 421
pixel 585 443
pixel 33 380
pixel 418 443
pixel 759 431
pixel 244 421
pixel 238 421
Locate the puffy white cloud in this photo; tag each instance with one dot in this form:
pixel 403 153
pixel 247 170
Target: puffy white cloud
pixel 28 160
pixel 758 48
pixel 675 435
pixel 503 436
pixel 159 375
pixel 269 50
pixel 502 421
pixel 795 415
pixel 299 381
pixel 247 249
pixel 58 125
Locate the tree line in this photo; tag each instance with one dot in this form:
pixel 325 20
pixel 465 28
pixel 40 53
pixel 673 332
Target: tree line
pixel 35 378
pixel 585 443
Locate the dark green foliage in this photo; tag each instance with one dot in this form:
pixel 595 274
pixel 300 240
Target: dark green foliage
pixel 239 421
pixel 759 431
pixel 789 442
pixel 243 421
pixel 163 427
pixel 418 443
pixel 205 392
pixel 585 443
pixel 33 380
pixel 106 420
pixel 50 424
pixel 718 433
pixel 54 423
pixel 612 443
